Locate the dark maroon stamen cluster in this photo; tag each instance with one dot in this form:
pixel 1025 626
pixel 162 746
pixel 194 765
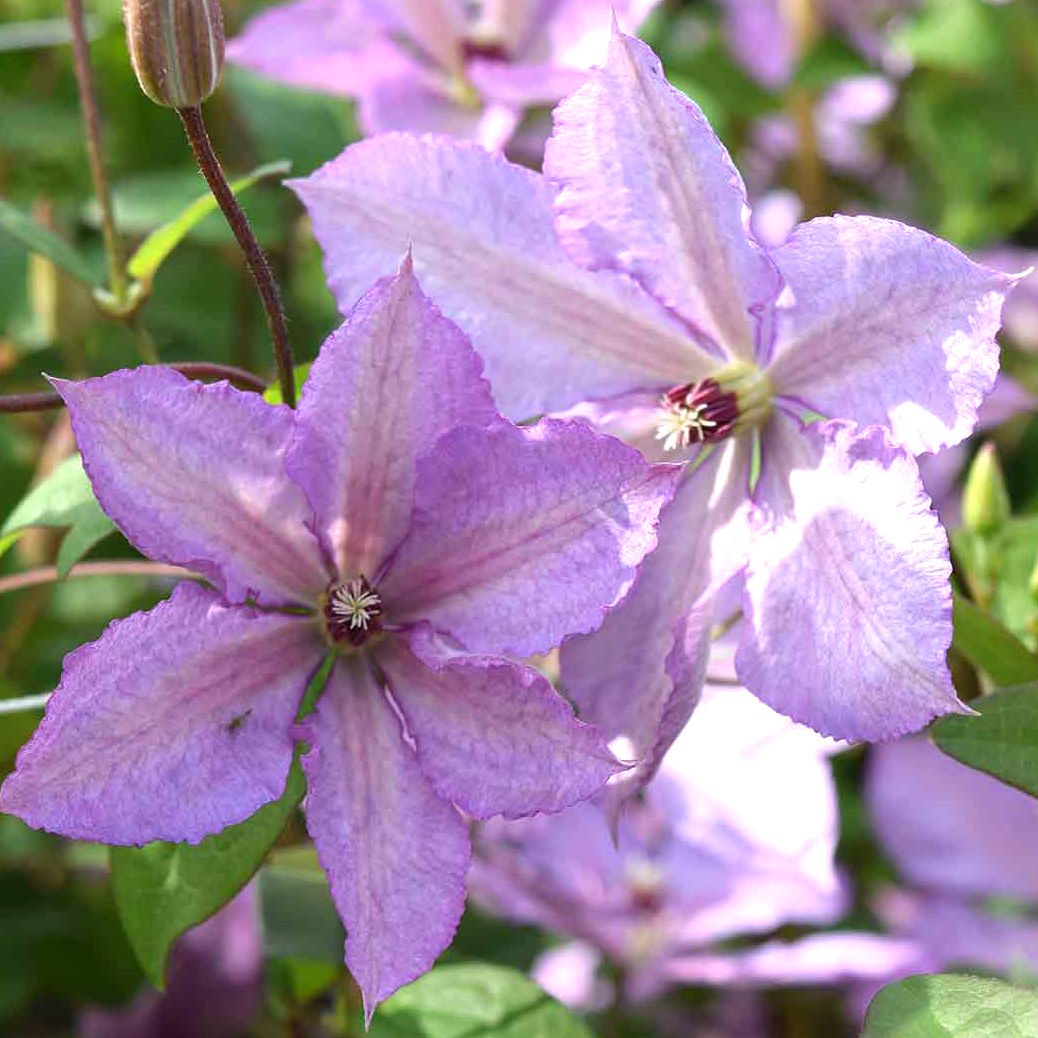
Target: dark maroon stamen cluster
pixel 719 407
pixel 341 624
pixel 489 51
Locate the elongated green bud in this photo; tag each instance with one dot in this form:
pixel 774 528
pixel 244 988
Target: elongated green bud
pixel 176 48
pixel 985 499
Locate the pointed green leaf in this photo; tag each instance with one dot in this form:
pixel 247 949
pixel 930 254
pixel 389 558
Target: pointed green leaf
pixel 164 889
pixel 153 251
pixel 64 499
pixel 950 1006
pixel 1002 740
pixel 991 647
pixel 36 238
pixel 475 1000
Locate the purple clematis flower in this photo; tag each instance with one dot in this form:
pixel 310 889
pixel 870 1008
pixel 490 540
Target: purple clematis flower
pixel 468 69
pixel 394 520
pixel 675 328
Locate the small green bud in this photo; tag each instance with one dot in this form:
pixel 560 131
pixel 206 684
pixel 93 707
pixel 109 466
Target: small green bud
pixel 985 499
pixel 176 48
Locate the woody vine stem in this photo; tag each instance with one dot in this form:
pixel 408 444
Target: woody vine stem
pixel 259 267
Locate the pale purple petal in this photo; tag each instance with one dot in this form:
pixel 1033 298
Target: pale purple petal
pixel 524 536
pixel 484 247
pixel 752 791
pixel 173 725
pixel 952 932
pixel 950 828
pixel 330 45
pixel 437 26
pixel 492 736
pixel 395 853
pixel 1020 314
pixel 520 85
pixel 762 40
pixel 384 388
pixel 406 95
pixel 848 603
pixel 884 324
pixel 568 973
pixel 830 958
pixel 193 475
pixel 646 188
pixel 638 677
pixel 575 33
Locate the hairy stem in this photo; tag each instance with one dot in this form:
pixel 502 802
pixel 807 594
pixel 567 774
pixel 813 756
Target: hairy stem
pixel 209 164
pixel 48 400
pixel 92 123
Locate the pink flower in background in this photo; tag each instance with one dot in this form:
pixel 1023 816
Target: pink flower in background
pixel 468 69
pixel 735 836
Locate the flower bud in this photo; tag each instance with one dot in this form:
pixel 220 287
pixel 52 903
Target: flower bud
pixel 176 48
pixel 985 499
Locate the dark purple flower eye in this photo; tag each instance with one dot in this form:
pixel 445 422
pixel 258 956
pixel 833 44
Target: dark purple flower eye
pixel 353 612
pixel 713 408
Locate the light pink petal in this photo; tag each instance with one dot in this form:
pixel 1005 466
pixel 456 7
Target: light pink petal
pixel 646 188
pixel 830 958
pixel 960 831
pixel 395 853
pixel 491 735
pixel 330 45
pixel 524 536
pixel 384 388
pixel 193 474
pixel 406 95
pixel 437 26
pixel 848 603
pixel 753 792
pixel 761 38
pixel 486 252
pixel 639 676
pixel 575 33
pixel 884 324
pixel 173 725
pixel 521 85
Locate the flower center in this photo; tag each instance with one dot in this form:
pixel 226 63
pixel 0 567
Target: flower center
pixel 712 409
pixel 352 612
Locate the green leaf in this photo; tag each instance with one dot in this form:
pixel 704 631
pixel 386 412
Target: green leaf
pixel 1002 740
pixel 950 1006
pixel 299 919
pixel 163 889
pixel 37 238
pixel 300 372
pixel 990 646
pixel 64 499
pixel 475 1000
pixel 145 262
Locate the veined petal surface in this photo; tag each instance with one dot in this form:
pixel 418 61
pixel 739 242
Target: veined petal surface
pixel 492 736
pixel 485 250
pixel 884 324
pixel 173 725
pixel 848 603
pixel 384 388
pixel 524 536
pixel 646 188
pixel 395 853
pixel 193 474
